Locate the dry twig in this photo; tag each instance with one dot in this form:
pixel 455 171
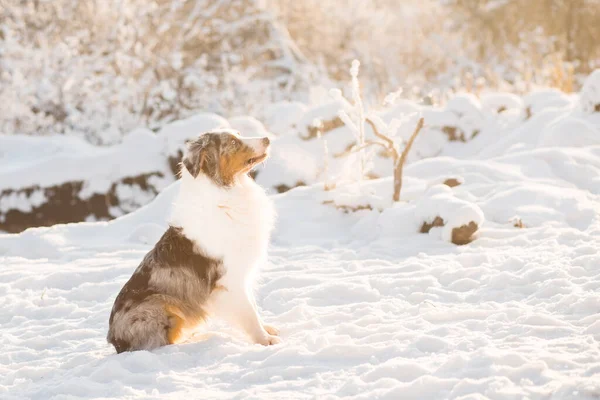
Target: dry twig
pixel 399 159
pixel 399 165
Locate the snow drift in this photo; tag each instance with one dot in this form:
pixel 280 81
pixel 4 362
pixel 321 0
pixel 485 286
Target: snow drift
pixel 368 307
pixel 51 180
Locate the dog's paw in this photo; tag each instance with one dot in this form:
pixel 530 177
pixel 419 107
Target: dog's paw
pixel 274 340
pixel 269 340
pixel 271 330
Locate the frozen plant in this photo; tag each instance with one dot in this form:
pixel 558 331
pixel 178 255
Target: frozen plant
pixel 392 147
pixel 354 117
pixel 325 171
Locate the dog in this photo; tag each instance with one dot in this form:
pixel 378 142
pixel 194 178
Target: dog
pixel 205 264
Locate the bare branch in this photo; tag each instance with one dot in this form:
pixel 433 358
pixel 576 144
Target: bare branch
pixel 368 143
pixel 354 149
pixel 400 163
pixel 390 143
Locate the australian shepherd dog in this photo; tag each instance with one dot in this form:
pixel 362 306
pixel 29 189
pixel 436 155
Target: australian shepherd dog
pixel 205 263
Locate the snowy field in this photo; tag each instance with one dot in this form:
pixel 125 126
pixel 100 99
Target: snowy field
pixel 366 309
pixel 367 306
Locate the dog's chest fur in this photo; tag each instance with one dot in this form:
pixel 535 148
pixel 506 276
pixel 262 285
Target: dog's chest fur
pixel 228 224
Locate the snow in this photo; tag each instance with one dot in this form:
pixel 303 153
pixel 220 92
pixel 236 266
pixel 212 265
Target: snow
pixel 500 102
pixel 439 201
pixel 364 310
pixel 464 104
pixel 52 160
pixel 280 117
pixel 319 114
pixel 250 126
pixel 590 93
pixel 368 307
pixel 570 132
pixel 542 99
pixel 556 119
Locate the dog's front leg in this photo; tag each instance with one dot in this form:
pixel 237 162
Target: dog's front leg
pixel 237 307
pixel 271 330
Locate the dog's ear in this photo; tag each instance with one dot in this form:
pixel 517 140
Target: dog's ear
pixel 191 157
pixel 191 166
pixel 200 156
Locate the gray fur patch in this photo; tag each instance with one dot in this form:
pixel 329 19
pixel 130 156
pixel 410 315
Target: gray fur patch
pixel 173 275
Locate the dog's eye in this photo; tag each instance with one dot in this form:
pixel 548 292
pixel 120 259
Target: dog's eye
pixel 233 142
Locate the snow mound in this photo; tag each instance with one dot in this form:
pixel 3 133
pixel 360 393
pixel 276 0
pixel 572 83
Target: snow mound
pixel 367 306
pixel 324 117
pixel 501 102
pixel 175 133
pixel 399 110
pixel 281 118
pixel 570 132
pixel 64 179
pixel 49 161
pixel 250 126
pixel 459 219
pixel 464 104
pixel 543 99
pixel 144 163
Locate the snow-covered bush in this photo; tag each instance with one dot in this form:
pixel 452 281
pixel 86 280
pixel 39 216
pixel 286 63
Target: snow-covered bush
pixel 101 69
pixel 429 207
pixel 589 97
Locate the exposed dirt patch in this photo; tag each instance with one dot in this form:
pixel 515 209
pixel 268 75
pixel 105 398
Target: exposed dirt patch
pixel 426 227
pixel 64 204
pixel 452 182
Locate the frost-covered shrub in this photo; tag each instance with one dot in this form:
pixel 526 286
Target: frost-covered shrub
pixel 589 97
pixel 397 42
pixel 99 69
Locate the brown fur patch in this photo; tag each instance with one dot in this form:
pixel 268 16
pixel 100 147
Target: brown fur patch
pixel 176 324
pixel 235 163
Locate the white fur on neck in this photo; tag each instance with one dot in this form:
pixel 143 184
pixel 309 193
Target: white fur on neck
pixel 232 224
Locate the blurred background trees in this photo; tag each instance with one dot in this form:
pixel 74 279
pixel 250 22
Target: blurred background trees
pixel 100 68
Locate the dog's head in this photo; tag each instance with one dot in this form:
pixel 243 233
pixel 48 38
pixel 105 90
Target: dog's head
pixel 224 155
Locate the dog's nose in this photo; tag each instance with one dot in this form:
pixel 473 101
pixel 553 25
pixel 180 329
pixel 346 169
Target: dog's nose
pixel 266 141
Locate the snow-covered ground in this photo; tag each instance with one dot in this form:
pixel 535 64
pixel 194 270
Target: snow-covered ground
pixel 367 306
